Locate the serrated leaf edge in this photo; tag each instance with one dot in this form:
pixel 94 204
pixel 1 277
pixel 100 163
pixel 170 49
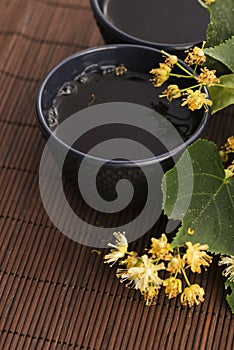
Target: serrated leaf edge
pixel 200 140
pixel 206 50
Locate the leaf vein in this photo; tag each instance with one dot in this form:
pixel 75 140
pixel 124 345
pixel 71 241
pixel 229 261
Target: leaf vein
pixel 208 204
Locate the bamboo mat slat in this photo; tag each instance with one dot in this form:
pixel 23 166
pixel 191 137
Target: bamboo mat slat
pixel 56 294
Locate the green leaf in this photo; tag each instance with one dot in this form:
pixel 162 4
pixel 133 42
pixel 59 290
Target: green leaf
pixel 220 68
pixel 220 29
pixel 230 297
pixel 223 53
pixel 210 205
pixel 221 26
pixel 222 95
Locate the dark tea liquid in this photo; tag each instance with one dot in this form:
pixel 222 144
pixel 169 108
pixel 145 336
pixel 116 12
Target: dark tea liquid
pixel 98 85
pixel 160 21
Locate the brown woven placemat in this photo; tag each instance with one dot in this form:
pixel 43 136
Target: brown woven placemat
pixel 55 293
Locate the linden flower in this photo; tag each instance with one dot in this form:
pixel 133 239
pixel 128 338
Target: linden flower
pixel 132 260
pixel 196 256
pixel 146 274
pixel 192 295
pixel 173 287
pixel 195 56
pixel 230 144
pixel 161 74
pixel 120 70
pixel 224 156
pixel 171 60
pixel 230 169
pixel 160 248
pixel 150 295
pixel 120 249
pixel 176 264
pixel 196 99
pixel 172 91
pixel 207 77
pixel 122 273
pixel 229 270
pixel 124 276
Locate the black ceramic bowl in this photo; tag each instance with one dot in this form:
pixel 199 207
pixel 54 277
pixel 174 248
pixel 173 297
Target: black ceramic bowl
pixel 170 25
pixel 136 58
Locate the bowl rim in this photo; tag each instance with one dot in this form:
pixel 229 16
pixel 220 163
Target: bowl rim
pixel 133 39
pixel 47 132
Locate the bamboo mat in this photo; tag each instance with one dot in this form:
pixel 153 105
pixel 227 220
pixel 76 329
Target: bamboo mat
pixel 55 293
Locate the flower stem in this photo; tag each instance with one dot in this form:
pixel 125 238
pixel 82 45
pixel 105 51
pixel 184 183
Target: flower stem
pixel 185 70
pixel 165 53
pixel 181 76
pixel 195 69
pixel 202 4
pixel 185 277
pixel 190 87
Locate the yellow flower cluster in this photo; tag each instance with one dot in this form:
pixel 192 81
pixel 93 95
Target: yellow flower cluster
pixel 161 74
pixel 143 272
pixel 194 99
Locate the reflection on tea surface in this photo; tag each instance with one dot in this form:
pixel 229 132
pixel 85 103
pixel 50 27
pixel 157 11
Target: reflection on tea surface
pixel 160 21
pixel 100 84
